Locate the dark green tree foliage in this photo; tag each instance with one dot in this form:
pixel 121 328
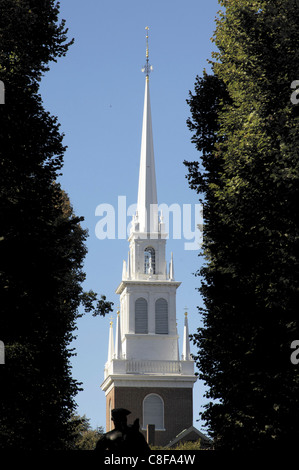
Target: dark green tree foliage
pixel 84 438
pixel 247 131
pixel 41 241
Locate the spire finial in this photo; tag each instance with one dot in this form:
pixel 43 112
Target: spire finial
pixel 147 68
pixel 147 29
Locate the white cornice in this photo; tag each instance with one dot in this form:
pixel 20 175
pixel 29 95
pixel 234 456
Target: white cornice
pixel 146 283
pixel 138 380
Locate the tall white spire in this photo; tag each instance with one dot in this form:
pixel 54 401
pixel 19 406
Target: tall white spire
pixel 147 205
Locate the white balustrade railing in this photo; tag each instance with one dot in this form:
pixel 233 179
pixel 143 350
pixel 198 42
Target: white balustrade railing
pixel 151 367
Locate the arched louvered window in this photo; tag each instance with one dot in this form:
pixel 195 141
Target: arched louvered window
pixel 153 411
pixel 149 260
pixel 141 324
pixel 161 317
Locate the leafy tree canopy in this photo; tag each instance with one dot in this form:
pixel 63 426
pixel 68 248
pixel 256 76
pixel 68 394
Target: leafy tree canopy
pixel 246 127
pixel 42 242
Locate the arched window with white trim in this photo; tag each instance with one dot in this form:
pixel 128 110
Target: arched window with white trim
pixel 153 411
pixel 141 321
pixel 161 317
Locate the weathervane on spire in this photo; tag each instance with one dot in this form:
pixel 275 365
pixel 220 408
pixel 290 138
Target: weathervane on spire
pixel 147 69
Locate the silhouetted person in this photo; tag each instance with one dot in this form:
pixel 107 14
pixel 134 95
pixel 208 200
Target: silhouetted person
pixel 123 439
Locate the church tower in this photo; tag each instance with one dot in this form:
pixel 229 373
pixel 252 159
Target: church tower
pixel 144 372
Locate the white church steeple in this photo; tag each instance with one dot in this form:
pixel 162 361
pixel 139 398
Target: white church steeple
pixel 144 372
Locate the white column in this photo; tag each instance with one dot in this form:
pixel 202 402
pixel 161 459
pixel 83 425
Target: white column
pixel 151 300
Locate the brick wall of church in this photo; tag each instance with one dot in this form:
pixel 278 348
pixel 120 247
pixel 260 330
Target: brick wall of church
pixel 178 408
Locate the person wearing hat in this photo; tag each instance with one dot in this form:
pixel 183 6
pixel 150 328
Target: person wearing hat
pixel 123 438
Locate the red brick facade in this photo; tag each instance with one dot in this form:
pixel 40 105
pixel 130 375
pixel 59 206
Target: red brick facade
pixel 178 408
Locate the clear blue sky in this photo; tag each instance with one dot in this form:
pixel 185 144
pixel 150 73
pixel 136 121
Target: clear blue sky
pixel 97 92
